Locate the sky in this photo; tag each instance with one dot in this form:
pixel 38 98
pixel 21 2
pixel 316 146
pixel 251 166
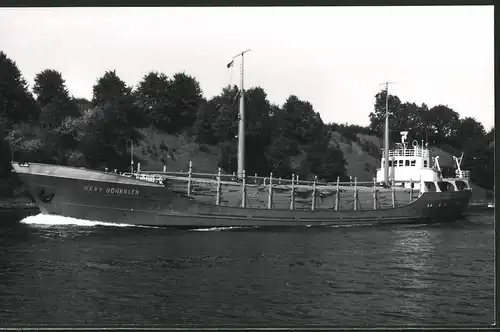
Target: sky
pixel 333 57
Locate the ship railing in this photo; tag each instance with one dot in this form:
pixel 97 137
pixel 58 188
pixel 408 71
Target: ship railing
pixel 465 174
pixel 408 153
pixel 250 179
pixel 293 192
pixel 263 182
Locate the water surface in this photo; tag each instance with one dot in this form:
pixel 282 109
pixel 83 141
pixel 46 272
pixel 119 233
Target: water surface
pixel 64 271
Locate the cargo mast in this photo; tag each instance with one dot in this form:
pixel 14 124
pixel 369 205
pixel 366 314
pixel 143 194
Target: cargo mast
pixel 241 118
pixel 386 135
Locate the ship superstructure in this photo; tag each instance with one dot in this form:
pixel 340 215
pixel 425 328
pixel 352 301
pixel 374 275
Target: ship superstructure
pixel 413 167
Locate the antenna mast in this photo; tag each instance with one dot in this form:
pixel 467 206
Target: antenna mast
pixel 241 124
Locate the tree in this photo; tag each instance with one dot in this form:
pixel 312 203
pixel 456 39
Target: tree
pixel 82 104
pixel 299 120
pixel 117 101
pixel 377 117
pixel 203 126
pixel 185 96
pixel 225 127
pixel 490 137
pixel 6 187
pixel 16 102
pixel 325 161
pixel 277 158
pixel 116 119
pixel 258 130
pixel 153 99
pixel 228 160
pixel 257 113
pixel 443 124
pixel 109 88
pixel 53 98
pixel 50 86
pixel 26 145
pixel 468 129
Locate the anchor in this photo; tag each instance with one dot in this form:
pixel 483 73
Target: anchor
pixel 46 198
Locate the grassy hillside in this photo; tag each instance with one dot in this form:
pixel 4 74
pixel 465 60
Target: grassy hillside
pixel 159 149
pixel 362 156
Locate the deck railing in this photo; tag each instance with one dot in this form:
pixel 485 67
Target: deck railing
pixel 354 193
pixel 408 153
pixel 465 174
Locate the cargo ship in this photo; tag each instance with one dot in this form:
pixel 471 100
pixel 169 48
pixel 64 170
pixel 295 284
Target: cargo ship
pixel 193 200
pixel 406 189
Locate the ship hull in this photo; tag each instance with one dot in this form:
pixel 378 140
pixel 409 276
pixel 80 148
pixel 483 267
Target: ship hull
pixel 99 196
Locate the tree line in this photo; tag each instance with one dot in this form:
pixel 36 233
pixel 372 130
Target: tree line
pixel 52 126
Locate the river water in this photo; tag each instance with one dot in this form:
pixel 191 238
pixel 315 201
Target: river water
pixel 62 271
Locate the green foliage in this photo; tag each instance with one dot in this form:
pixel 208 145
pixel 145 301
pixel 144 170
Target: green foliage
pixel 278 158
pixel 185 96
pixel 377 118
pixel 298 121
pixel 371 148
pixel 16 102
pixel 53 98
pixel 228 160
pixel 324 161
pixel 205 118
pixel 152 99
pixel 225 126
pixel 171 105
pixel 26 143
pixel 5 152
pixel 6 183
pixel 350 132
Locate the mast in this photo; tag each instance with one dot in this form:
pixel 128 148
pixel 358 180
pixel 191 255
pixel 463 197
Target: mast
pixel 386 136
pixel 241 120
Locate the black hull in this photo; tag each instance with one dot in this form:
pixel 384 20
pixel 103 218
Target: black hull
pixel 99 196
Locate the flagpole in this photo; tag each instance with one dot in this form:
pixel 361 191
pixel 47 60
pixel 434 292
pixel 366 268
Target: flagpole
pixel 241 118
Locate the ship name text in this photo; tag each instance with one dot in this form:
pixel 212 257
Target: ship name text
pixel 111 191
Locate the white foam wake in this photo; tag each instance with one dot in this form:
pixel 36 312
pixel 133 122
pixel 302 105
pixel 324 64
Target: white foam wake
pixel 218 229
pixel 214 229
pixel 349 225
pixel 50 220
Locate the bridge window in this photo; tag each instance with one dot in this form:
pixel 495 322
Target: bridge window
pixel 413 162
pixel 425 163
pixel 400 162
pixel 390 163
pixel 407 163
